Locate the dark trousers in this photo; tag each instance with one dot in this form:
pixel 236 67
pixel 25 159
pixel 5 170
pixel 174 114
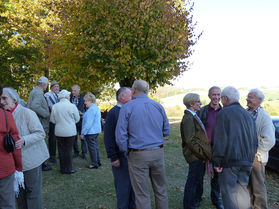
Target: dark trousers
pixel 123 187
pixel 31 196
pixel 83 143
pixel 65 145
pixel 215 189
pixel 7 194
pixel 233 184
pixel 52 141
pixel 193 187
pixel 92 143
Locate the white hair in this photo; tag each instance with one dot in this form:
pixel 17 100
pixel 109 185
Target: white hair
pixel 141 86
pixel 42 81
pixel 259 93
pixel 231 93
pixel 76 87
pixel 13 94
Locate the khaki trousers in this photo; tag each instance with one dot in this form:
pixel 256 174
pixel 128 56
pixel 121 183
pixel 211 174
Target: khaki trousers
pixel 256 186
pixel 145 165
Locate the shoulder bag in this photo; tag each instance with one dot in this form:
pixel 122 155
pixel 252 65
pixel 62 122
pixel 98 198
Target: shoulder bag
pixel 9 142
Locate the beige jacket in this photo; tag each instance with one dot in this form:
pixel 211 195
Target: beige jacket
pixel 266 135
pixel 64 115
pixel 34 151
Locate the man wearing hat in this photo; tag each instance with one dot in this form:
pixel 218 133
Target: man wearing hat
pixel 52 99
pixel 38 104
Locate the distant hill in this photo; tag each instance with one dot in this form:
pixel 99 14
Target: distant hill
pixel 172 99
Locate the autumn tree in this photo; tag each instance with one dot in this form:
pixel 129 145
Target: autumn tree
pixel 14 55
pixel 109 41
pixel 30 27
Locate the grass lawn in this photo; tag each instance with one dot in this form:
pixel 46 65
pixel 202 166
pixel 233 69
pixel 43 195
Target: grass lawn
pixel 93 189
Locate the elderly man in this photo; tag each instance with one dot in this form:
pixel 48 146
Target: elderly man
pixel 208 115
pixel 266 140
pixel 52 99
pixel 38 104
pixel 124 191
pixel 141 127
pixel 77 99
pixel 234 149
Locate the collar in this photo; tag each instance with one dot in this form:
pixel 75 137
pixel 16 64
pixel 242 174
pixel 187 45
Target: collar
pixel 118 105
pixel 255 111
pixel 211 108
pixel 13 108
pixel 192 112
pixel 141 96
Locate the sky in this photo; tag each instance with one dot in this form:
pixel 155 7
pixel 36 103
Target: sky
pixel 239 45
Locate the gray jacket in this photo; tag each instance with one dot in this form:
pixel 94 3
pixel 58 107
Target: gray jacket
pixel 235 137
pixel 38 104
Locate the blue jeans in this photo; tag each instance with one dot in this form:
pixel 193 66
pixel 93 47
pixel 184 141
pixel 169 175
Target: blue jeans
pixel 92 143
pixel 233 184
pixel 194 187
pixel 123 187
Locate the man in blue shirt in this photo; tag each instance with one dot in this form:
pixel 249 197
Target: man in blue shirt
pixel 123 187
pixel 140 131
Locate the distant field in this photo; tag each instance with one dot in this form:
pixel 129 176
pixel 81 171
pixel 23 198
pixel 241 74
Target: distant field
pixel 174 104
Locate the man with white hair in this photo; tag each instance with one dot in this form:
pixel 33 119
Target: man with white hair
pixel 78 99
pixel 140 131
pixel 37 102
pixel 235 145
pixel 266 140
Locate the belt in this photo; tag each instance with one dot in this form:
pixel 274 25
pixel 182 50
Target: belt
pixel 137 150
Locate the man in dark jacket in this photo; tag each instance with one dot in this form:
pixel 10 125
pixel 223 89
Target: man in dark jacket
pixel 235 145
pixel 208 115
pixel 77 99
pixel 123 187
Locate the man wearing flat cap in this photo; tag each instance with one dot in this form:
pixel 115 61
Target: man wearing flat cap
pixel 52 99
pixel 38 104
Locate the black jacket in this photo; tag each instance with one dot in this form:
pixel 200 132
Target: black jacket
pixel 235 138
pixel 81 107
pixel 203 113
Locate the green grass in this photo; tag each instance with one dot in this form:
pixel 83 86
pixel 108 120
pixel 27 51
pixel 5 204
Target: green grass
pixel 93 189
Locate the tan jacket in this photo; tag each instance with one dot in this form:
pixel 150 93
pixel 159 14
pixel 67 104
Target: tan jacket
pixel 34 151
pixel 266 135
pixel 195 144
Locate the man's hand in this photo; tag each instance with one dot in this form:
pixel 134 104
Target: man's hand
pixel 19 144
pixel 81 136
pixel 218 169
pixel 116 163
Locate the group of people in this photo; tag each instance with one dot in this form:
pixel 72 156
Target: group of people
pixel 60 115
pixel 231 143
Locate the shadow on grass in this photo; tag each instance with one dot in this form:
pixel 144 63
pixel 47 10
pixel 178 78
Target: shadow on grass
pixel 94 189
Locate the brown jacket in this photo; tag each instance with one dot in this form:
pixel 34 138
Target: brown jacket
pixel 195 144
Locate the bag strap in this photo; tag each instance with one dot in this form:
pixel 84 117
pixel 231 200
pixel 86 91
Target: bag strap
pixel 6 121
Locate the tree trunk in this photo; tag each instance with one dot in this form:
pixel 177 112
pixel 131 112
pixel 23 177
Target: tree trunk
pixel 127 82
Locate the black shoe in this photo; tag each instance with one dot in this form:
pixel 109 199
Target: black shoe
pixel 69 172
pixel 75 155
pixel 46 167
pixel 99 164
